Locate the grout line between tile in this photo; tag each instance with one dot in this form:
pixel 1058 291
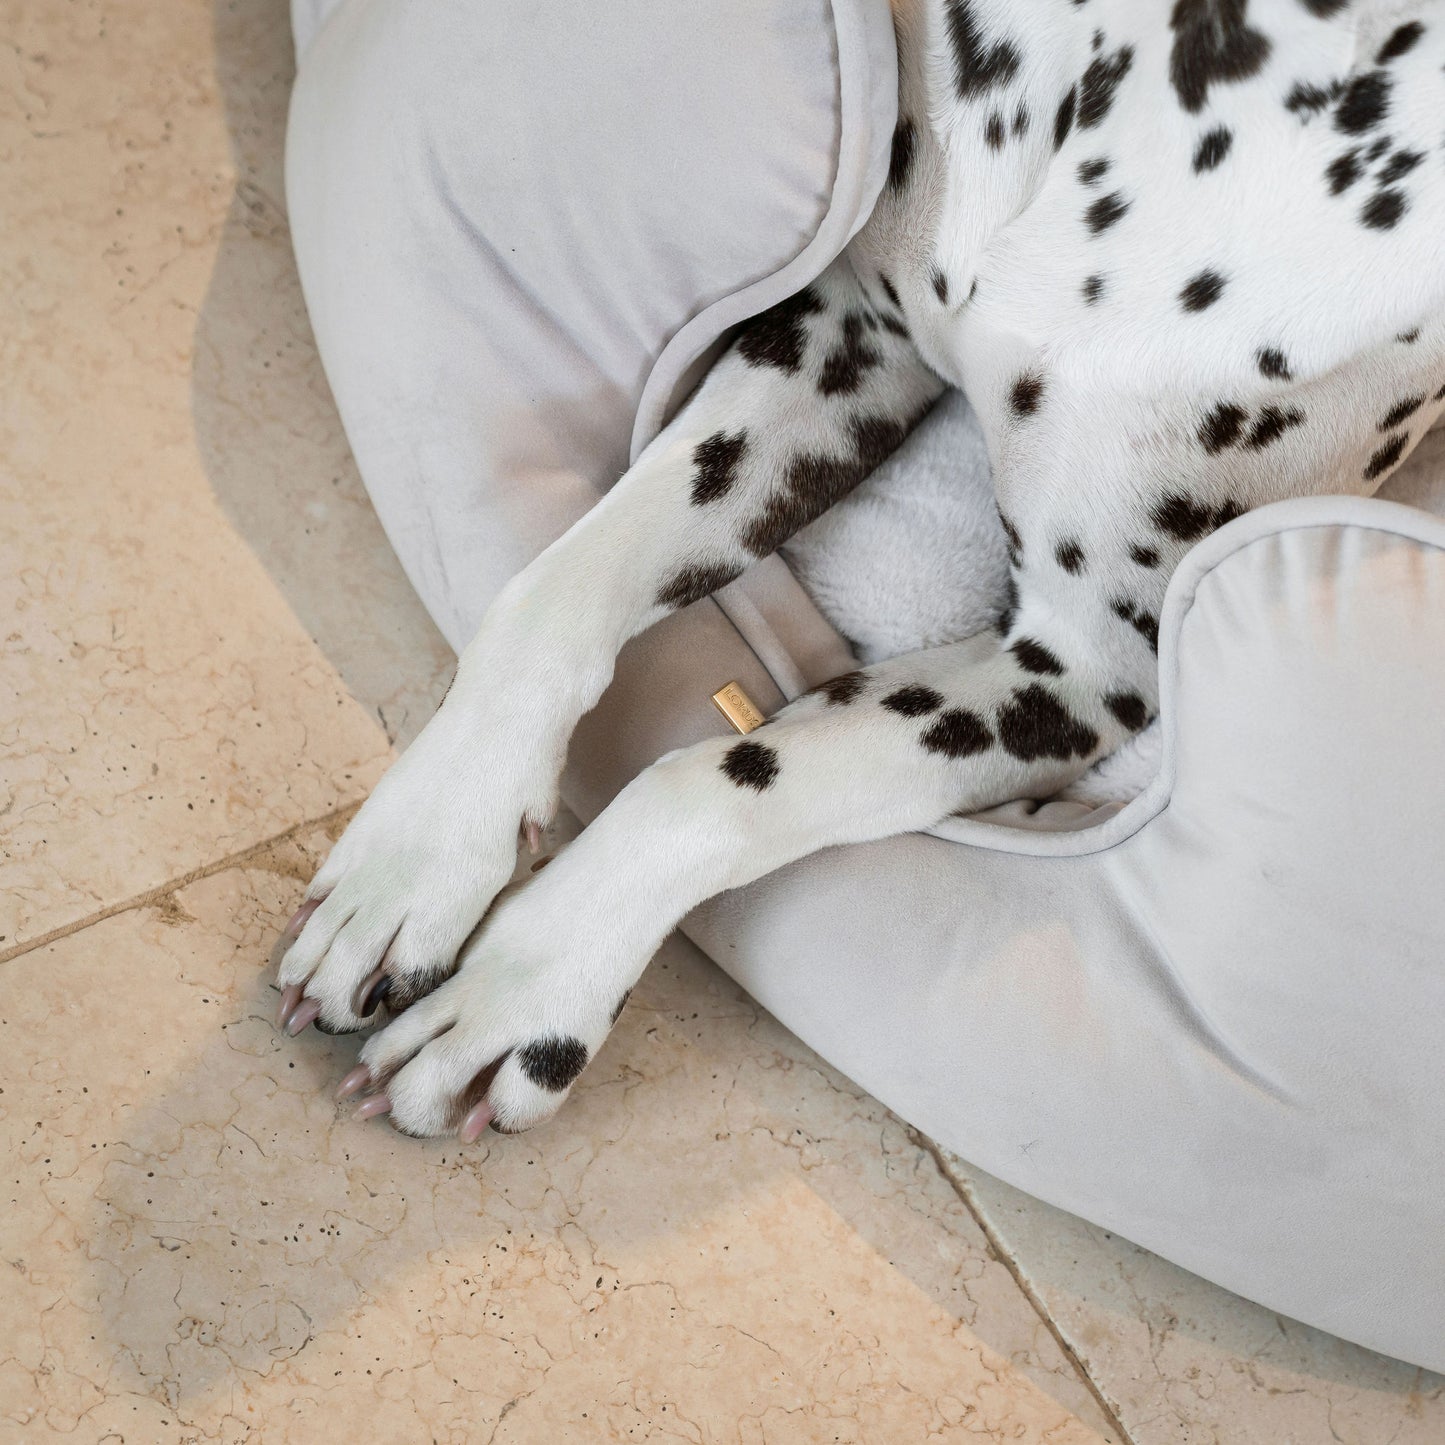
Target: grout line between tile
pixel 184 880
pixel 1006 1259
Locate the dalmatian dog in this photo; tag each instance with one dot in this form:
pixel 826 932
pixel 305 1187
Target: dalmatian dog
pixel 1183 258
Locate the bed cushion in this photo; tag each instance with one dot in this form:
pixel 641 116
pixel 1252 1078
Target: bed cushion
pixel 1210 1020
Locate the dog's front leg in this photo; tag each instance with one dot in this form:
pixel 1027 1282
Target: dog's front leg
pixel 812 396
pixel 877 752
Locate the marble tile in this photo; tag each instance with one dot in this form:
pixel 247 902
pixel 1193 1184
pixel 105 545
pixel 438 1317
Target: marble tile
pixel 1183 1362
pixel 720 1239
pixel 168 455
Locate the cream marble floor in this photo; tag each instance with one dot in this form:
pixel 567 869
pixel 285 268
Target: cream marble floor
pixel 209 652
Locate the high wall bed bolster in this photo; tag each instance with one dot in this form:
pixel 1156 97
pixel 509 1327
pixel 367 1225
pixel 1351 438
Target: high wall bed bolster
pixel 1212 1021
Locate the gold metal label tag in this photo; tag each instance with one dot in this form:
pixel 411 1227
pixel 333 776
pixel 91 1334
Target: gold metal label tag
pixel 738 708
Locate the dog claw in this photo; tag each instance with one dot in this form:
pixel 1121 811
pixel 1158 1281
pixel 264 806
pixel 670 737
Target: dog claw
pixel 478 1117
pixel 302 1014
pixel 290 997
pixel 534 836
pixel 370 993
pixel 292 931
pixel 370 1108
pixel 354 1082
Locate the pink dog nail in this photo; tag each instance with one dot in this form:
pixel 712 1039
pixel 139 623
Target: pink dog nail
pixel 354 1082
pixel 290 997
pixel 292 931
pixel 476 1121
pixel 370 1108
pixel 302 1015
pixel 534 837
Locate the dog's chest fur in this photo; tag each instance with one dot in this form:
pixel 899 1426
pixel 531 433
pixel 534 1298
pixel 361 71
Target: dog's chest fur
pixel 1204 224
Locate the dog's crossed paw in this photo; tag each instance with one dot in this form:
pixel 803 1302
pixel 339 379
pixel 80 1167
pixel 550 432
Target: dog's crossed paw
pixel 387 915
pixel 501 1042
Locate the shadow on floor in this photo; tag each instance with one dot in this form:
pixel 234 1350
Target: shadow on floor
pixel 266 426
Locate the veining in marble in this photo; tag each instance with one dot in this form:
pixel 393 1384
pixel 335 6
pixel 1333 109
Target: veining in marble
pixel 1183 1362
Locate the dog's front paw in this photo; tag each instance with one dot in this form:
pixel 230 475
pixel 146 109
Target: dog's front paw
pixel 388 913
pixel 503 1041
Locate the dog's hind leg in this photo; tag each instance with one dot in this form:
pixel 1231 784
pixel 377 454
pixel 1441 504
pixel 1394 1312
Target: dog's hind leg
pixel 810 397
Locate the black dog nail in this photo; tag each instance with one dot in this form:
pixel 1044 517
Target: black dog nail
pixel 372 999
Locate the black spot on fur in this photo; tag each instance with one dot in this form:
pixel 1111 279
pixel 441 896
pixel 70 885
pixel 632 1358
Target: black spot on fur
pixel 1401 409
pixel 994 132
pixel 1035 657
pixel 958 733
pixel 1099 83
pixel 1201 291
pixel 901 160
pixel 845 366
pixel 914 700
pixel 1408 338
pixel 1439 395
pixel 1271 424
pixel 1182 518
pixel 1383 210
pixel 778 336
pixel 888 289
pixel 1129 708
pixel 893 324
pixel 1212 148
pixel 1021 120
pixel 1213 45
pixel 1036 724
pixel 1104 212
pixel 1364 103
pixel 1343 172
pixel 1093 289
pixel 621 1004
pixel 694 582
pixel 1398 167
pixel 1401 42
pixel 813 481
pixel 1027 393
pixel 1064 116
pixel 750 764
pixel 1070 556
pixel 977 65
pixel 1221 427
pixel 1010 605
pixel 1306 100
pixel 940 285
pixel 1378 147
pixel 1323 9
pixel 1273 364
pixel 1187 520
pixel 1386 457
pixel 553 1064
pixel 842 690
pixel 1144 623
pixel 1144 556
pixel 1090 172
pixel 715 466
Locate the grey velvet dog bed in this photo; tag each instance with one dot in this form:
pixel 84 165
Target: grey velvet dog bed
pixel 1210 1018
